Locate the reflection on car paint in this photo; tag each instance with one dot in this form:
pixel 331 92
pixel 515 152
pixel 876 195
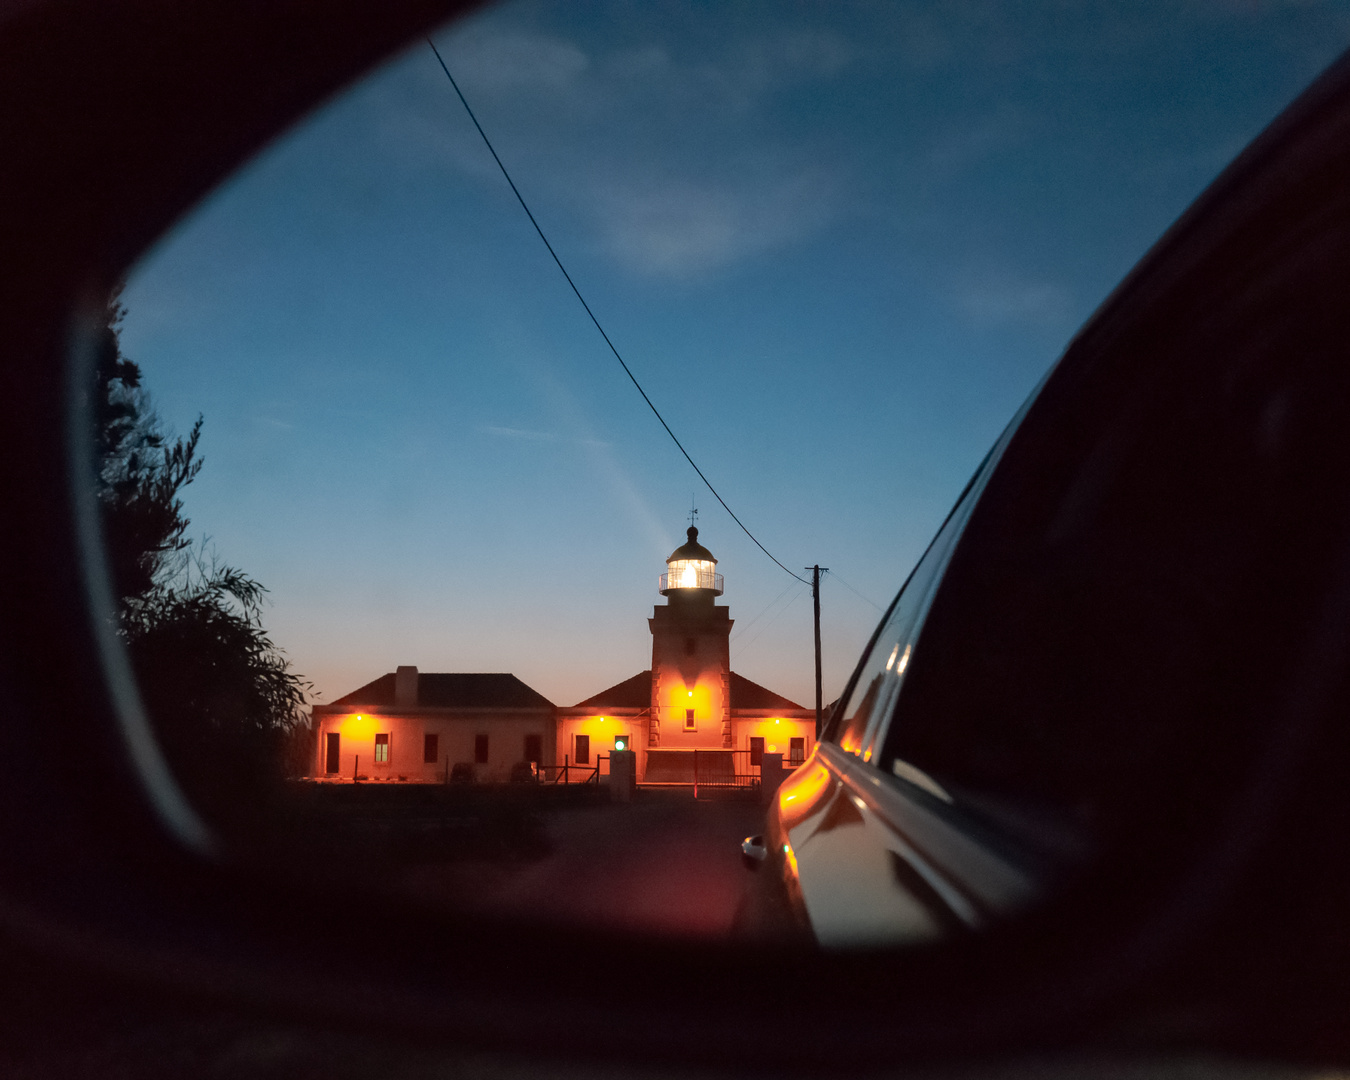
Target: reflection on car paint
pixel 875 864
pixel 916 776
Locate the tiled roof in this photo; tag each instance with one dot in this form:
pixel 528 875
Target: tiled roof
pixel 634 693
pixel 461 690
pixel 477 690
pixel 750 695
pixel 379 692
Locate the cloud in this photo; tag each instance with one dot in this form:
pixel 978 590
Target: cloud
pixel 518 433
pixel 1016 301
pixel 764 64
pixel 577 131
pixel 969 145
pixel 540 436
pixel 803 54
pixel 492 60
pixel 682 228
pixel 644 64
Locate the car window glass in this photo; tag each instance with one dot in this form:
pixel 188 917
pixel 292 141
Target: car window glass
pixel 862 715
pixel 882 671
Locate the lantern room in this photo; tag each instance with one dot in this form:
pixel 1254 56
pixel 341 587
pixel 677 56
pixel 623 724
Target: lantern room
pixel 691 566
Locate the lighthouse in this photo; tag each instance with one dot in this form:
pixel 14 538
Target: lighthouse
pixel 691 654
pixel 408 725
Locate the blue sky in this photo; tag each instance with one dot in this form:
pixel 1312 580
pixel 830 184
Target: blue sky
pixel 838 244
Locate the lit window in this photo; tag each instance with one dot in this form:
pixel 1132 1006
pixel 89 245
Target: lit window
pixel 382 749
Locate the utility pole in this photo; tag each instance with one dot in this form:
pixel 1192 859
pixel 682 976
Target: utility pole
pixel 815 596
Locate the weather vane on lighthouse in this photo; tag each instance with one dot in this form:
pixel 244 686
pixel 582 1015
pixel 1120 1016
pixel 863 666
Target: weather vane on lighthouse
pixel 693 511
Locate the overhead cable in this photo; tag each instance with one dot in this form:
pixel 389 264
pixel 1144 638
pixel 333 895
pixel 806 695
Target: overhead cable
pixel 740 630
pixel 851 589
pixel 521 199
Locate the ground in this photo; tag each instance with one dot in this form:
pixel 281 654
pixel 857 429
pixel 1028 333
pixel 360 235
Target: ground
pixel 664 863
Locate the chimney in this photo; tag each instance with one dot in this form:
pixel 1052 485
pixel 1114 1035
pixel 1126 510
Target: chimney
pixel 405 686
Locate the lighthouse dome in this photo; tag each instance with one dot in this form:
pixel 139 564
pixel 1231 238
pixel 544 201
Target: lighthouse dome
pixel 691 567
pixel 692 550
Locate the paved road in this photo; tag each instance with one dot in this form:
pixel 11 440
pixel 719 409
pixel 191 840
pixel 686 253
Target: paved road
pixel 661 864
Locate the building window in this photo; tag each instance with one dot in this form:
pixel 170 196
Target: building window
pixel 690 646
pixel 534 748
pixel 480 749
pixel 382 749
pixel 688 719
pixel 583 746
pixel 334 744
pixel 756 750
pixel 431 749
pixel 796 751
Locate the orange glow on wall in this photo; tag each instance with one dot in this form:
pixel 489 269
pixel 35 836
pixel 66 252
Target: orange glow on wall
pixel 778 729
pixel 359 726
pixel 697 697
pixel 596 726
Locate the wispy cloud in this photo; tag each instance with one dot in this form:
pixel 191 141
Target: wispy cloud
pixel 664 210
pixel 492 59
pixel 540 436
pixel 1003 301
pixel 752 69
pixel 682 228
pixel 972 144
pixel 518 433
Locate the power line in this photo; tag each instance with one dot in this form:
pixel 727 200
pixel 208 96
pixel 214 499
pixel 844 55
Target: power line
pixel 521 199
pixel 744 648
pixel 854 591
pixel 740 632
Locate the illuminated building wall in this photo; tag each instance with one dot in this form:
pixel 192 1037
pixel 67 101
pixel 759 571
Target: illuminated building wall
pixel 778 733
pixel 382 729
pixel 583 732
pixel 691 672
pixel 688 700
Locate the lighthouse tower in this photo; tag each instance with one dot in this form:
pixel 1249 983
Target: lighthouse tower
pixel 691 655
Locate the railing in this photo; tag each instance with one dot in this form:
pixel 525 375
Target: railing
pixel 568 773
pixel 725 770
pixel 690 579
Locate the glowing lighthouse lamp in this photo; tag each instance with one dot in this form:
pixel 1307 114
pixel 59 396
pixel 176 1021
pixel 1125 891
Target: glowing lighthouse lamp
pixel 691 566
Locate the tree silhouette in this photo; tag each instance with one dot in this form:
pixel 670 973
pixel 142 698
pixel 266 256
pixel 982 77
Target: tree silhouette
pixel 219 693
pixel 140 473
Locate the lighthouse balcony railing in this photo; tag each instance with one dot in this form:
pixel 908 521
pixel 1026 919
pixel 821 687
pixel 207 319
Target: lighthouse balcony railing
pixel 691 579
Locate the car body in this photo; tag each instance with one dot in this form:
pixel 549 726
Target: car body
pixel 1102 665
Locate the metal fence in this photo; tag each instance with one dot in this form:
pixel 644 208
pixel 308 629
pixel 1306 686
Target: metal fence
pixel 570 773
pixel 725 770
